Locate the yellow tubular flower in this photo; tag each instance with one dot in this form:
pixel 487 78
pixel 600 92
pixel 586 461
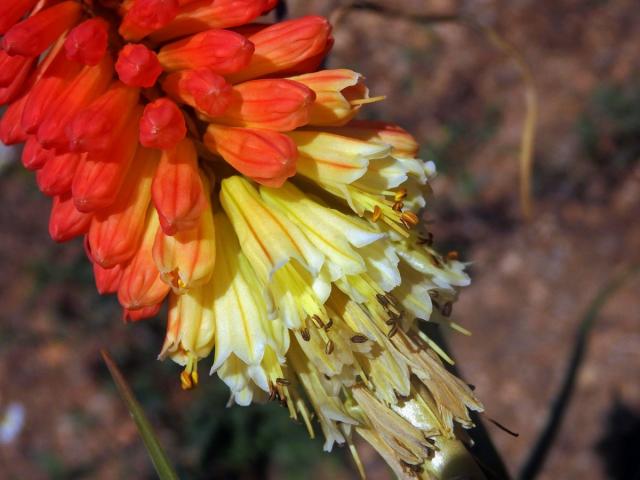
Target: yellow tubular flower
pixel 282 230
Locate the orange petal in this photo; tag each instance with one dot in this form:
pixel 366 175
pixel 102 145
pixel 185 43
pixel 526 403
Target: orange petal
pixel 273 104
pixel 284 46
pixel 141 285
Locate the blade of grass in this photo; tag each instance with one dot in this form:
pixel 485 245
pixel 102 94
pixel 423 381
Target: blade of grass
pixel 541 448
pixel 158 456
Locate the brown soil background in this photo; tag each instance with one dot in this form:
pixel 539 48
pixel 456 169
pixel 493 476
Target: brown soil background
pixel 463 99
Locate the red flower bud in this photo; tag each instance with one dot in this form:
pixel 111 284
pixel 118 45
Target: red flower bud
pixel 87 42
pixel 203 14
pixel 34 35
pixel 162 125
pixel 116 232
pixel 222 51
pixel 12 11
pixel 137 66
pixel 34 157
pixel 107 279
pixel 146 16
pixel 177 190
pixel 99 177
pixel 97 127
pixel 267 157
pixel 56 175
pixel 66 222
pixel 204 90
pixel 88 85
pixel 11 131
pixel 10 67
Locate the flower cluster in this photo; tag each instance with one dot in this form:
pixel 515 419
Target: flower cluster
pixel 207 162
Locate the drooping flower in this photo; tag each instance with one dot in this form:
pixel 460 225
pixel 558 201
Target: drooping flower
pixel 208 163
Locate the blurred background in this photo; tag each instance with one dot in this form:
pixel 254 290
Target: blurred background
pixel 463 98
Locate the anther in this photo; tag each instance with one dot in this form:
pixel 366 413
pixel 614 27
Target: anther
pixel 382 300
pixel 436 261
pixel 400 194
pixel 328 325
pixel 306 336
pixel 359 338
pixel 282 381
pixel 409 219
pixel 398 206
pixel 317 321
pixel 393 331
pixel 328 348
pixel 377 213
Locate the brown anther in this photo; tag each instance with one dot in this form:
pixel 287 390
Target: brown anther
pixel 317 321
pixel 377 213
pixel 426 240
pixel 328 325
pixel 382 300
pixel 436 261
pixel 304 333
pixel 185 380
pixel 400 194
pixel 409 219
pixel 393 331
pixel 398 206
pixel 391 321
pixel 359 338
pixel 282 381
pixel 453 255
pixel 328 348
pixel 446 309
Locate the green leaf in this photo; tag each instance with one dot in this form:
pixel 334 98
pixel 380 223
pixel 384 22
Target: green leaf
pixel 158 456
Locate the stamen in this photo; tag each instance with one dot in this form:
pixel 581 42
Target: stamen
pixel 328 349
pixel 409 219
pixel 304 333
pixel 377 212
pixel 398 206
pixel 393 331
pixel 359 338
pixel 400 194
pixel 365 101
pixel 283 381
pixel 328 325
pixel 317 321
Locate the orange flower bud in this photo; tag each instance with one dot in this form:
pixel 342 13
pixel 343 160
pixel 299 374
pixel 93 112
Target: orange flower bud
pixel 284 46
pixel 186 259
pixel 116 232
pixel 177 190
pixel 34 156
pixel 56 176
pixel 89 84
pixel 97 127
pixel 141 285
pixel 65 221
pixel 335 90
pixel 267 157
pixel 137 66
pixel 273 104
pixel 87 42
pixel 46 91
pixel 12 11
pixel 146 16
pixel 222 51
pixel 35 34
pixel 107 279
pixel 99 177
pixel 204 90
pixel 162 125
pixel 202 14
pixel 135 315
